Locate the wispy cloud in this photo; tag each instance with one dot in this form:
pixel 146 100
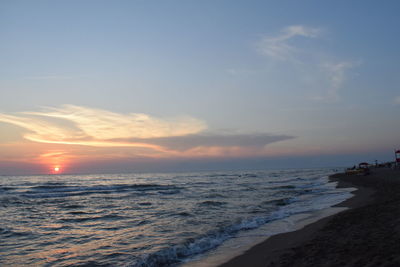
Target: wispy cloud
pixel 279 46
pixel 104 124
pixel 216 140
pixel 95 127
pixel 52 77
pixel 336 74
pixel 319 67
pixel 184 135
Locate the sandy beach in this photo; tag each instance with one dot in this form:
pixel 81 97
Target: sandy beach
pixel 367 234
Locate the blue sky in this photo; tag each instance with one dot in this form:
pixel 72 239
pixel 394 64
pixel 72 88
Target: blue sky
pixel 303 79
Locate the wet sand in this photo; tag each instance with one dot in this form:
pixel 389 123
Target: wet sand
pixel 367 234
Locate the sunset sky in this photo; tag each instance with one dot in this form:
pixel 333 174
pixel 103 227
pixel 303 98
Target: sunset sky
pixel 117 86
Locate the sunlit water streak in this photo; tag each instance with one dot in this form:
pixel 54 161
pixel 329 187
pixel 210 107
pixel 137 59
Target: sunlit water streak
pixel 146 219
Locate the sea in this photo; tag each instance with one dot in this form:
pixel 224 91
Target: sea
pixel 154 219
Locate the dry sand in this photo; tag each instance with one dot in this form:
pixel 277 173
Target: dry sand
pixel 368 234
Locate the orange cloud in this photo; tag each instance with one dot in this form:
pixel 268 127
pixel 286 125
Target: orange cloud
pixel 114 135
pixel 74 125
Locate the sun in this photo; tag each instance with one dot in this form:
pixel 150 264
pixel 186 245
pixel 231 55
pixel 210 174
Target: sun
pixel 57 169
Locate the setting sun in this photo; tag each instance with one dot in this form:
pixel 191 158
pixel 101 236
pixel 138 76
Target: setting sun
pixel 56 169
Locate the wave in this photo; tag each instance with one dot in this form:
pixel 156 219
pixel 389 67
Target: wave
pixel 72 206
pixel 58 190
pixel 298 179
pixel 66 188
pixel 221 175
pixel 284 187
pixel 194 246
pixel 249 175
pixel 280 201
pixel 50 187
pixel 212 203
pixel 107 217
pixel 145 203
pixel 4 233
pixel 288 206
pixel 184 213
pixel 6 188
pixel 181 217
pixel 13 200
pixel 287 181
pixel 169 192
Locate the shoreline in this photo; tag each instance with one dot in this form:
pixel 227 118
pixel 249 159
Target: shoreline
pixel 337 237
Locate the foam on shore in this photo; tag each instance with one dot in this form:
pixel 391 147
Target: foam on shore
pixel 244 241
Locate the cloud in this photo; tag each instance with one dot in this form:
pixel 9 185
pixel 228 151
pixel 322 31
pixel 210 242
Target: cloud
pixel 397 100
pixel 95 127
pixel 148 135
pixel 51 77
pixel 107 125
pixel 279 47
pixel 318 68
pixel 217 140
pixel 336 74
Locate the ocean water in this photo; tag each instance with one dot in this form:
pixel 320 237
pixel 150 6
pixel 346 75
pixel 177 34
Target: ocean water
pixel 159 219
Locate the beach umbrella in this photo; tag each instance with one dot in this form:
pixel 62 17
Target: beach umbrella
pixel 363 165
pixel 397 155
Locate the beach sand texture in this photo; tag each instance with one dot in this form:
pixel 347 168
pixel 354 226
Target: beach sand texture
pixel 368 234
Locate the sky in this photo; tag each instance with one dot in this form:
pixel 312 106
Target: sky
pixel 119 86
